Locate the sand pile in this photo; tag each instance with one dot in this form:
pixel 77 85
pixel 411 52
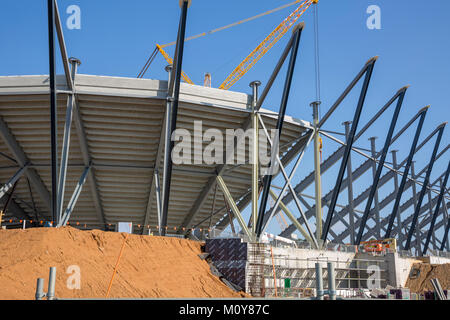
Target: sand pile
pixel 422 283
pixel 150 267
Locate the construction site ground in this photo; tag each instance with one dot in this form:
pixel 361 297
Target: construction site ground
pixel 150 267
pixel 421 283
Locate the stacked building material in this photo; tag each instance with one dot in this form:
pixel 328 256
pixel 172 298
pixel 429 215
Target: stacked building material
pixel 230 258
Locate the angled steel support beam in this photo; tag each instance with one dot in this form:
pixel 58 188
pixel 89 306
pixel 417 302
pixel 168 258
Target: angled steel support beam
pixel 12 181
pixel 375 198
pixel 22 161
pixel 5 207
pixel 350 197
pixel 383 204
pixel 267 180
pixel 334 158
pixel 53 110
pixel 293 152
pixel 436 212
pixel 363 168
pixel 424 188
pixel 65 151
pixel 73 200
pixel 369 65
pixel 233 207
pixel 405 173
pixel 62 47
pixel 386 178
pixel 400 95
pixel 348 148
pixel 396 189
pixel 277 69
pixel 174 115
pixel 294 220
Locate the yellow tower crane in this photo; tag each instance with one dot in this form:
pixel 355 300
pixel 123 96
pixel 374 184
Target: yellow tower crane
pixel 255 55
pixel 265 45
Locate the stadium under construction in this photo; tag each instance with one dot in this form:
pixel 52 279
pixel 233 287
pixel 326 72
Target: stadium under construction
pixel 95 153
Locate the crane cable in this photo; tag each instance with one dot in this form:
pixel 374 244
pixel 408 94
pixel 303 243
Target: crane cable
pixel 148 63
pixel 317 64
pixel 203 34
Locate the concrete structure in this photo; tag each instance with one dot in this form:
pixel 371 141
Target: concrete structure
pixel 267 268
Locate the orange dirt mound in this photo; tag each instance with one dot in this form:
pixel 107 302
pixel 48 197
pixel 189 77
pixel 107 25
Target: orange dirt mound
pixel 428 271
pixel 150 267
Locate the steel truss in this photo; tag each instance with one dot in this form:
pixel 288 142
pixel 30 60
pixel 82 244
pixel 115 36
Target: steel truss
pixel 416 230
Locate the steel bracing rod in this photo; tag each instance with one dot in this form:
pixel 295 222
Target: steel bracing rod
pixel 291 154
pixel 375 160
pixel 364 167
pixel 385 179
pixel 280 196
pixel 158 198
pixel 288 182
pixel 436 211
pixel 387 143
pixel 384 222
pixel 73 200
pixel 53 109
pixel 424 188
pixel 12 181
pixel 245 197
pixel 267 180
pixel 293 219
pixel 5 207
pixel 348 149
pixel 369 64
pixel 62 47
pixel 220 169
pixel 173 122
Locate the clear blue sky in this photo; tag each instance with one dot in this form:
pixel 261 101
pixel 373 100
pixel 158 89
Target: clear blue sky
pixel 116 38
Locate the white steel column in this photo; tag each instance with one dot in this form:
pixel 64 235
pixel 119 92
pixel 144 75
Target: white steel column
pixel 317 177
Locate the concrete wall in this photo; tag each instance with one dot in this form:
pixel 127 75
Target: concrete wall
pixel 399 268
pixel 436 260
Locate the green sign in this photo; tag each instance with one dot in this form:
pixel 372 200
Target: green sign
pixel 287 283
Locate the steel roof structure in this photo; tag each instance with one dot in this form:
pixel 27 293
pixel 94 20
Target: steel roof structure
pixel 116 132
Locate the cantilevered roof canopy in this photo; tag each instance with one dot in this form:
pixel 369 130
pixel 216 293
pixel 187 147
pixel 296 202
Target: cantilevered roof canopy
pixel 116 130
